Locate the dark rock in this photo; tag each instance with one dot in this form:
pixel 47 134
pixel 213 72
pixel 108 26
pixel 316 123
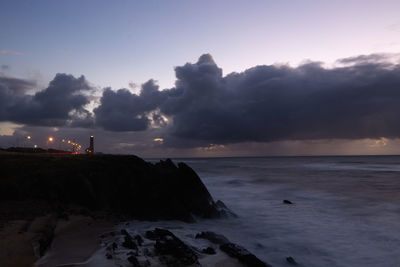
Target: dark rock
pixel 259 245
pixel 124 232
pixel 43 233
pixel 213 237
pixel 45 240
pixel 133 260
pixel 223 210
pixel 209 250
pixel 133 252
pixel 114 246
pixel 128 242
pixel 147 252
pixel 166 164
pixel 221 204
pixel 287 201
pixel 291 261
pixel 157 234
pixel 107 234
pixel 109 256
pixel 242 255
pixel 63 216
pixel 139 239
pixel 105 184
pixel 171 250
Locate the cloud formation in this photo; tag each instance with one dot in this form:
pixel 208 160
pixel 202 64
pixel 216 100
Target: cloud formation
pixel 274 103
pixel 122 110
pixel 61 103
pixel 358 98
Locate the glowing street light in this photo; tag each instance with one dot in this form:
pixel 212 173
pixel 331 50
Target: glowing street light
pixel 27 138
pixel 50 139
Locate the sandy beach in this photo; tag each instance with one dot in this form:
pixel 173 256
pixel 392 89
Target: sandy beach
pixel 75 241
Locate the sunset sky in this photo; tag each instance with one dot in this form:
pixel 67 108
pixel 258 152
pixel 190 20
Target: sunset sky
pixel 202 78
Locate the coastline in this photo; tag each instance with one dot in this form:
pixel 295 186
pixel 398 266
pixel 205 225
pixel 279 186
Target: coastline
pixel 67 211
pixel 82 241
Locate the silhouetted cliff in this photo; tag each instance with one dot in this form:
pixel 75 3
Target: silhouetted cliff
pixel 126 186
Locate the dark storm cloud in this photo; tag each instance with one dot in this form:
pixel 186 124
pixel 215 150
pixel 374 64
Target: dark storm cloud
pixel 10 89
pixel 272 103
pixel 122 110
pixel 358 99
pixel 57 105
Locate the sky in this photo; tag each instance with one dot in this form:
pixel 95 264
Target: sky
pixel 203 78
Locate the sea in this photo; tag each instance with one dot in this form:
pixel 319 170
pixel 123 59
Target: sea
pixel 345 211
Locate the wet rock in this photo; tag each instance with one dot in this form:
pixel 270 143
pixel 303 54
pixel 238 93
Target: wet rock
pixel 147 252
pixel 129 243
pixel 213 237
pixel 170 249
pixel 157 234
pixel 42 229
pixel 285 201
pixel 209 250
pixel 291 261
pixel 63 216
pixel 145 263
pixel 109 256
pixel 128 240
pixel 242 255
pixel 139 239
pixel 124 232
pixel 224 210
pixel 133 252
pixel 133 260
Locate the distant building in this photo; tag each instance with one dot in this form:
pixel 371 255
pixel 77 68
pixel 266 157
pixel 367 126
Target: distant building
pixel 90 149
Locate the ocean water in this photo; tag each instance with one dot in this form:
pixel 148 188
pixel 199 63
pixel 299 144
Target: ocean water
pixel 346 210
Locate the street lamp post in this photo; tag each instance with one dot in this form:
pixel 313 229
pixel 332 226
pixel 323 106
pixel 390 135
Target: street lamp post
pixel 50 139
pixel 26 140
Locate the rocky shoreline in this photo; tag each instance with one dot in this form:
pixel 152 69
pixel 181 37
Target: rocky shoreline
pixel 64 211
pixel 161 247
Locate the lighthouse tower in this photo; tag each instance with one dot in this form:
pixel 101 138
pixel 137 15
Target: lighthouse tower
pixel 90 149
